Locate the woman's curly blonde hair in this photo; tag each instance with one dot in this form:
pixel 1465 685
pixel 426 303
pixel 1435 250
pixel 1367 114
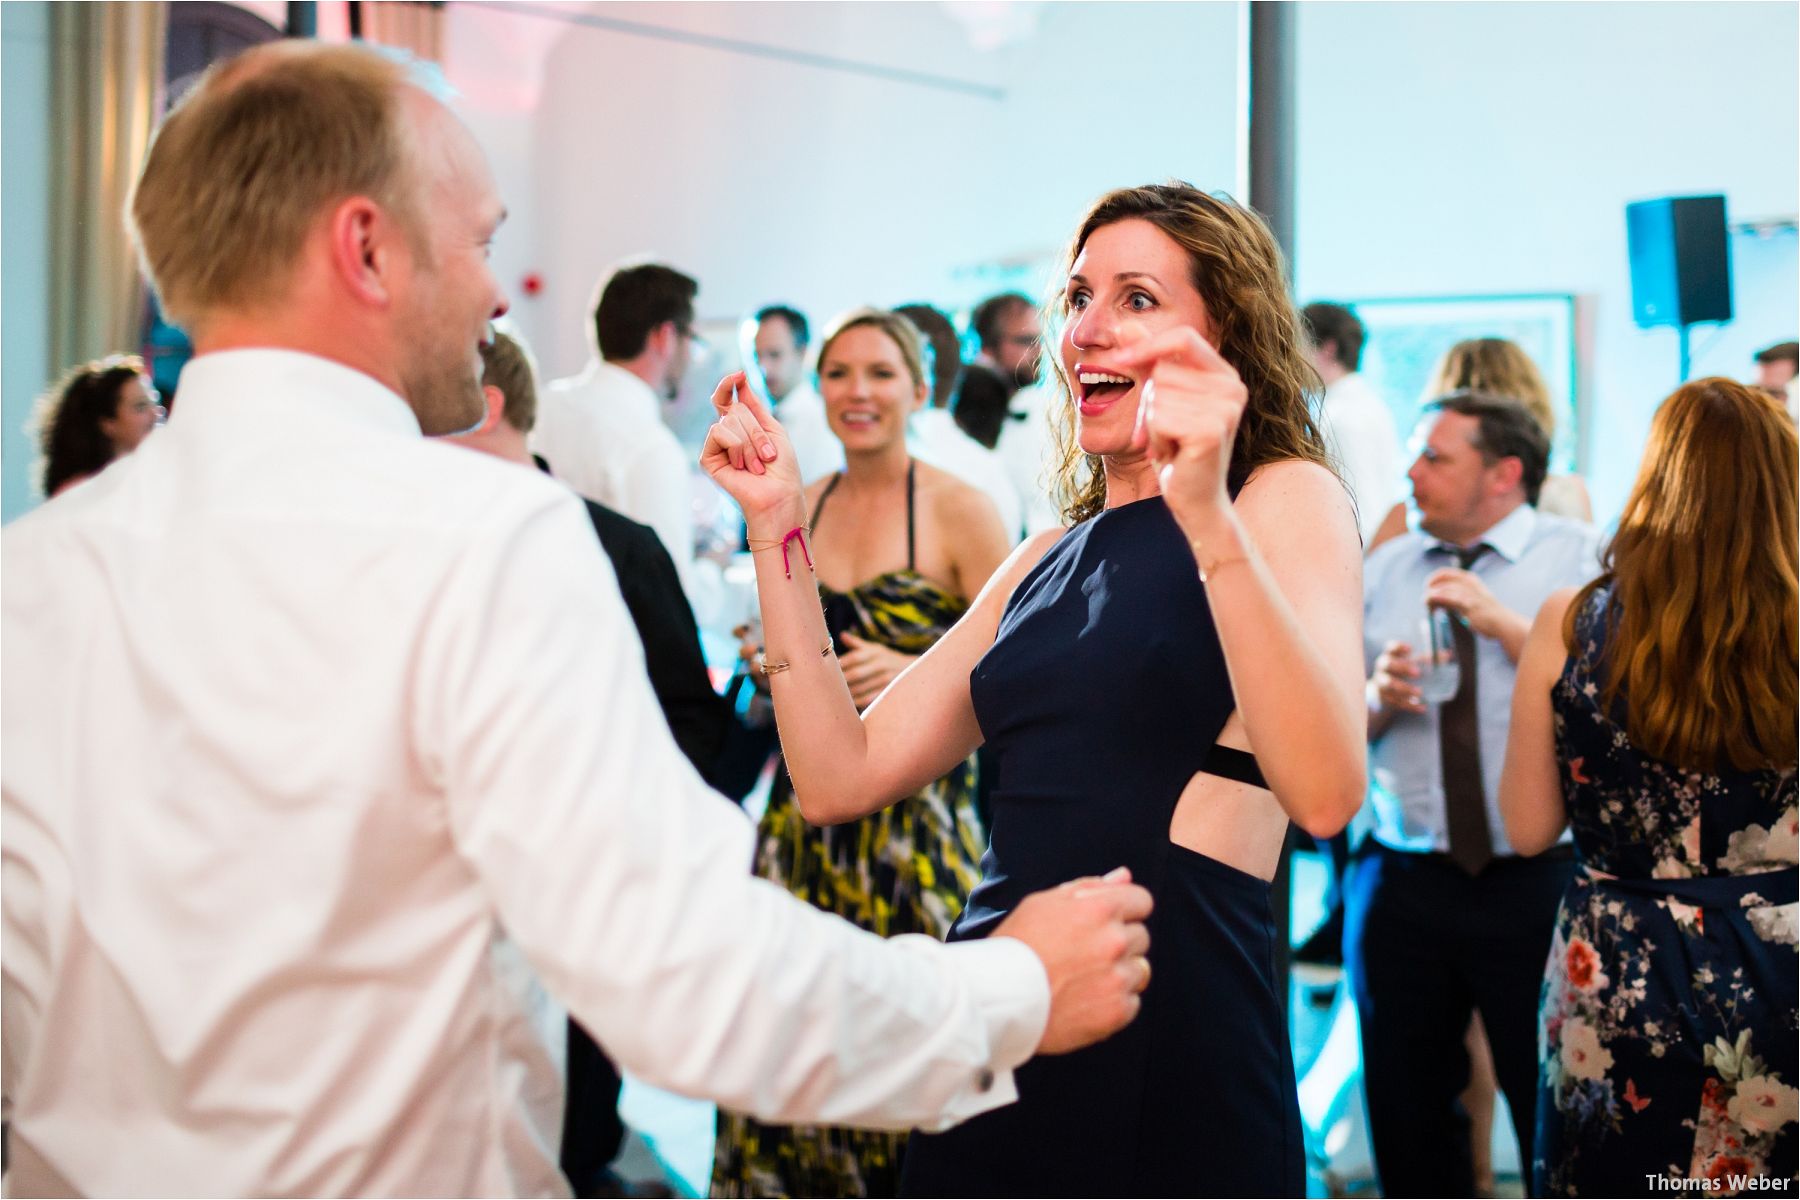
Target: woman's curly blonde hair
pixel 1239 272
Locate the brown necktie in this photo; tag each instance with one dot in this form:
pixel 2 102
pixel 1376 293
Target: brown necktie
pixel 1459 746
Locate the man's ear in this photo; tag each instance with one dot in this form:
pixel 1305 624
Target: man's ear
pixel 366 245
pixel 663 339
pixel 1508 472
pixel 496 408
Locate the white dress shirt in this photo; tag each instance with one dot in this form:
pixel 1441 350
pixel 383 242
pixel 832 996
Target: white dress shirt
pixel 802 414
pixel 934 437
pixel 1361 439
pixel 603 434
pixel 1026 448
pixel 310 725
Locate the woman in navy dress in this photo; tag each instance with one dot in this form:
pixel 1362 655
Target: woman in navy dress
pixel 1655 716
pixel 1163 687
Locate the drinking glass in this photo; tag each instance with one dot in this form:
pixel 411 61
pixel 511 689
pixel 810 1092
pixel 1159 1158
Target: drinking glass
pixel 1439 675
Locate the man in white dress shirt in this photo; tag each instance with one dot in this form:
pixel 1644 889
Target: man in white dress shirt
pixel 1010 333
pixel 778 338
pixel 313 727
pixel 1358 427
pixel 602 431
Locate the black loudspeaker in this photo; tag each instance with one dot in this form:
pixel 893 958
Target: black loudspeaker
pixel 1680 260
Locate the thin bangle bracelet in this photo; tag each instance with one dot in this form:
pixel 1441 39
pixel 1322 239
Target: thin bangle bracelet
pixel 768 668
pixel 1207 568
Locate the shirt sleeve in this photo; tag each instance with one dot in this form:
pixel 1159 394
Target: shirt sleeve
pixel 625 879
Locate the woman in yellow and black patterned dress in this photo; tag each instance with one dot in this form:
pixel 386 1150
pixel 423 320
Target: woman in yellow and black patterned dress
pixel 921 542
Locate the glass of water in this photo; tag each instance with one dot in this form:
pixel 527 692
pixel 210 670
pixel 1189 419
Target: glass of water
pixel 1439 675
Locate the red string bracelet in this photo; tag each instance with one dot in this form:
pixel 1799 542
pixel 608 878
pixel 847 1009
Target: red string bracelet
pixel 797 532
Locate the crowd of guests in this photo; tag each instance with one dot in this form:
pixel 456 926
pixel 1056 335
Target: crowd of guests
pixel 1060 642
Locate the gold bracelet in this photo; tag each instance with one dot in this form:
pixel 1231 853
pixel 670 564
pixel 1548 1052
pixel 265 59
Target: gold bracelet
pixel 756 544
pixel 768 668
pixel 1207 568
pixel 797 533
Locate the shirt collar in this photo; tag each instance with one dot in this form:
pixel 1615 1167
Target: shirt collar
pixel 1507 537
pixel 228 380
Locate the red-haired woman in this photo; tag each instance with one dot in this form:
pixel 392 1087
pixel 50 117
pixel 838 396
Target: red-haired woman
pixel 1655 714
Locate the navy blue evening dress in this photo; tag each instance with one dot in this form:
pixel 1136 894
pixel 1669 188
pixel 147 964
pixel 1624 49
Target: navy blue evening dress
pixel 1102 696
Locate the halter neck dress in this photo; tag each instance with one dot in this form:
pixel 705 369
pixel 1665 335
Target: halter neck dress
pixel 905 869
pixel 1103 694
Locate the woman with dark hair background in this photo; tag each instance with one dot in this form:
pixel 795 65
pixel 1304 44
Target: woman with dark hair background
pixel 95 413
pixel 1164 687
pixel 1655 714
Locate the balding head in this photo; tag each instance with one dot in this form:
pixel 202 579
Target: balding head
pixel 319 198
pixel 255 154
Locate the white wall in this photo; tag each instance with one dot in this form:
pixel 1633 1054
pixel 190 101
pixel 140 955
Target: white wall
pixel 771 178
pixel 1443 149
pixel 25 233
pixel 1482 148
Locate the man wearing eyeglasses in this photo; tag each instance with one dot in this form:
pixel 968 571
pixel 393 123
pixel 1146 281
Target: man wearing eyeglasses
pixel 602 431
pixel 1011 336
pixel 1008 329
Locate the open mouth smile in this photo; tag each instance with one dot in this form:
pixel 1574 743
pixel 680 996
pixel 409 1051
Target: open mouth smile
pixel 1097 389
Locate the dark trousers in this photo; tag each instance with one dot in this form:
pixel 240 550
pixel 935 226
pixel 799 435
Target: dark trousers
pixel 1425 945
pixel 592 1132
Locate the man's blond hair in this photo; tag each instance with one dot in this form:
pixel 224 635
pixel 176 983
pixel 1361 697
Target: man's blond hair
pixel 253 155
pixel 505 364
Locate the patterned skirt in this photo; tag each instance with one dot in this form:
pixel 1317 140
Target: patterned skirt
pixel 905 869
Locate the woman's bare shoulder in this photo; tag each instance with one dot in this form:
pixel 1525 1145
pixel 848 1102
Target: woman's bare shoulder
pixel 1295 483
pixel 1018 564
pixel 950 496
pixel 1301 511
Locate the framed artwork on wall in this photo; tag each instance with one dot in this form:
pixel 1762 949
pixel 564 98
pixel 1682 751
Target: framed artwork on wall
pixel 1407 336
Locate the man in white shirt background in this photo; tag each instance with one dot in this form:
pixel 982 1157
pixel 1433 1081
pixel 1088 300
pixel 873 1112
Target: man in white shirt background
pixel 1365 447
pixel 779 337
pixel 375 722
pixel 1009 332
pixel 1358 426
pixel 602 431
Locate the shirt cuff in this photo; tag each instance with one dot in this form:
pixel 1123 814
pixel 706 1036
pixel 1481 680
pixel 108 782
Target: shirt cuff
pixel 1012 993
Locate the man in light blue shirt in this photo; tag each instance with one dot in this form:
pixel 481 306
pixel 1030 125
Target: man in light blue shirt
pixel 1442 919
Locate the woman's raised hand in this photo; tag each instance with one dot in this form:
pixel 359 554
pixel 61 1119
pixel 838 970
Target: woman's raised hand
pixel 747 452
pixel 1188 418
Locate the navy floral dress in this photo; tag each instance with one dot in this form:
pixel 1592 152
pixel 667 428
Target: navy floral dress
pixel 1667 1036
